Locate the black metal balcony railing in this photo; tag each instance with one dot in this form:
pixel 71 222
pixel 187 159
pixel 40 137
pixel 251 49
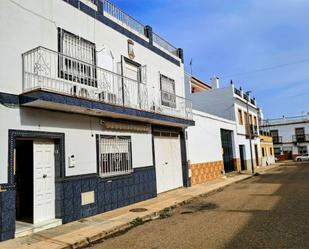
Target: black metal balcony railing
pixel 265 133
pixel 300 138
pixel 44 69
pixel 277 140
pixel 237 91
pixel 253 130
pixel 246 97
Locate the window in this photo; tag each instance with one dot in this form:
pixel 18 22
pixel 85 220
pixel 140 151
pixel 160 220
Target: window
pixel 255 121
pixel 78 63
pixel 240 118
pixel 271 151
pixel 250 119
pixel 302 150
pixel 114 155
pixel 274 133
pixel 263 151
pixel 245 114
pixel 168 91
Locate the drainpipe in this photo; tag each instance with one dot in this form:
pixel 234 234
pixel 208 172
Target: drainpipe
pixel 249 129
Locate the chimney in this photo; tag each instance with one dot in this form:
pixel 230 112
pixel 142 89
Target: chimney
pixel 215 84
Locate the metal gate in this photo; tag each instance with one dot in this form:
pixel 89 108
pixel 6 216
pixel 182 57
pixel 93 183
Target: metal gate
pixel 227 150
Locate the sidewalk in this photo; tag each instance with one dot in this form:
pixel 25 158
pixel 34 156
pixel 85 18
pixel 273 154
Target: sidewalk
pixel 81 233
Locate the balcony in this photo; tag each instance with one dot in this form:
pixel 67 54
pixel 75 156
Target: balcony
pixel 49 71
pixel 303 138
pixel 277 140
pixel 252 130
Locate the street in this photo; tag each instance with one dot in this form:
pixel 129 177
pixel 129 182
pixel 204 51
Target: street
pixel 267 211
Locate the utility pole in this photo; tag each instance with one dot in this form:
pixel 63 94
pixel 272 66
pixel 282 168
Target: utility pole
pixel 249 129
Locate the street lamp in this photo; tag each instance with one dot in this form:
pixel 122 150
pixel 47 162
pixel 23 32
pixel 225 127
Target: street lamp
pixel 249 129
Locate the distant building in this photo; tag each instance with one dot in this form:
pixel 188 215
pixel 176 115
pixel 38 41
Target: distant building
pixel 290 136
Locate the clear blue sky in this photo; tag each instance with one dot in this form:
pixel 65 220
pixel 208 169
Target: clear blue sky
pixel 263 45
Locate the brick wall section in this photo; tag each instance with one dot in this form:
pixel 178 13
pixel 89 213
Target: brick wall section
pixel 237 164
pixel 204 172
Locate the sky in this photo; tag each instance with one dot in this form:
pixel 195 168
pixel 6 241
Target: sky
pixel 262 45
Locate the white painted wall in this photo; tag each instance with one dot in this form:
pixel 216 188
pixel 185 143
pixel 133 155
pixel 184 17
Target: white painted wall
pixel 286 131
pixel 28 24
pixel 217 102
pixel 79 141
pixel 204 139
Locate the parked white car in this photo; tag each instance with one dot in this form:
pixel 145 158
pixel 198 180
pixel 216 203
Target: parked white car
pixel 301 158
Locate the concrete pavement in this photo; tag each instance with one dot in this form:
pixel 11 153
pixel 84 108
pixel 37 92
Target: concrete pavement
pixel 86 231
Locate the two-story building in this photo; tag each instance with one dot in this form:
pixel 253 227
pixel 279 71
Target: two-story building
pixel 93 114
pixel 290 136
pixel 235 105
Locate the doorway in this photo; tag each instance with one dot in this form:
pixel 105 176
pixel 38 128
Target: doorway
pixel 242 153
pixel 227 147
pixel 35 180
pixel 256 155
pixel 24 180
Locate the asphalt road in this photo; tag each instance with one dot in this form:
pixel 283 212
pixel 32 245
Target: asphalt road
pixel 267 211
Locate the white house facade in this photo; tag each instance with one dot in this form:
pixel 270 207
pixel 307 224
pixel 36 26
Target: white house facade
pixel 93 112
pixel 290 136
pixel 211 147
pixel 231 104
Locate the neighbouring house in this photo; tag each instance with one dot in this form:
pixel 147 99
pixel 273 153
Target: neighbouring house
pixel 211 143
pixel 229 103
pixel 267 148
pixel 290 136
pixel 211 147
pixel 93 113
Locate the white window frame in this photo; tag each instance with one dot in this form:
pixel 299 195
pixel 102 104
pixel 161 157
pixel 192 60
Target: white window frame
pixel 114 155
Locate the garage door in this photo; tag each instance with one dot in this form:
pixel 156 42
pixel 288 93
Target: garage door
pixel 168 162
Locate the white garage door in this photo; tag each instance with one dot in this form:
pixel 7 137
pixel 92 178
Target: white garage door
pixel 168 163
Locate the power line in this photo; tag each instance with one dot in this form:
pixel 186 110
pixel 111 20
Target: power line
pixel 268 68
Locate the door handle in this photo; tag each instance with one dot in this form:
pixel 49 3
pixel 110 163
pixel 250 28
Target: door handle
pixel 44 176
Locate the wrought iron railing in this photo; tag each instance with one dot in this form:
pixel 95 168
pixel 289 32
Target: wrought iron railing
pixel 237 91
pixel 44 69
pixel 158 40
pixel 252 130
pixel 246 97
pixel 277 139
pixel 125 19
pixel 300 138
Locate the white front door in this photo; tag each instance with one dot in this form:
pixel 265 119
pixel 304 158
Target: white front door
pixel 168 163
pixel 44 181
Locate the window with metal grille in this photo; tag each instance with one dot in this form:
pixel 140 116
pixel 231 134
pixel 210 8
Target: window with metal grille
pixel 114 155
pixel 168 91
pixel 77 59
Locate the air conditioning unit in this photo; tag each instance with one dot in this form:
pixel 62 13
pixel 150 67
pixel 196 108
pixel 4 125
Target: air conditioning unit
pixel 108 97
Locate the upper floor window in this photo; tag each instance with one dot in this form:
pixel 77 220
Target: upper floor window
pixel 255 120
pixel 114 155
pixel 274 133
pixel 77 59
pixel 299 131
pixel 240 117
pixel 246 117
pixel 168 91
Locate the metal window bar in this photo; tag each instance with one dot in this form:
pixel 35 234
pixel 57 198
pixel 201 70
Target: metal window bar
pixel 115 156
